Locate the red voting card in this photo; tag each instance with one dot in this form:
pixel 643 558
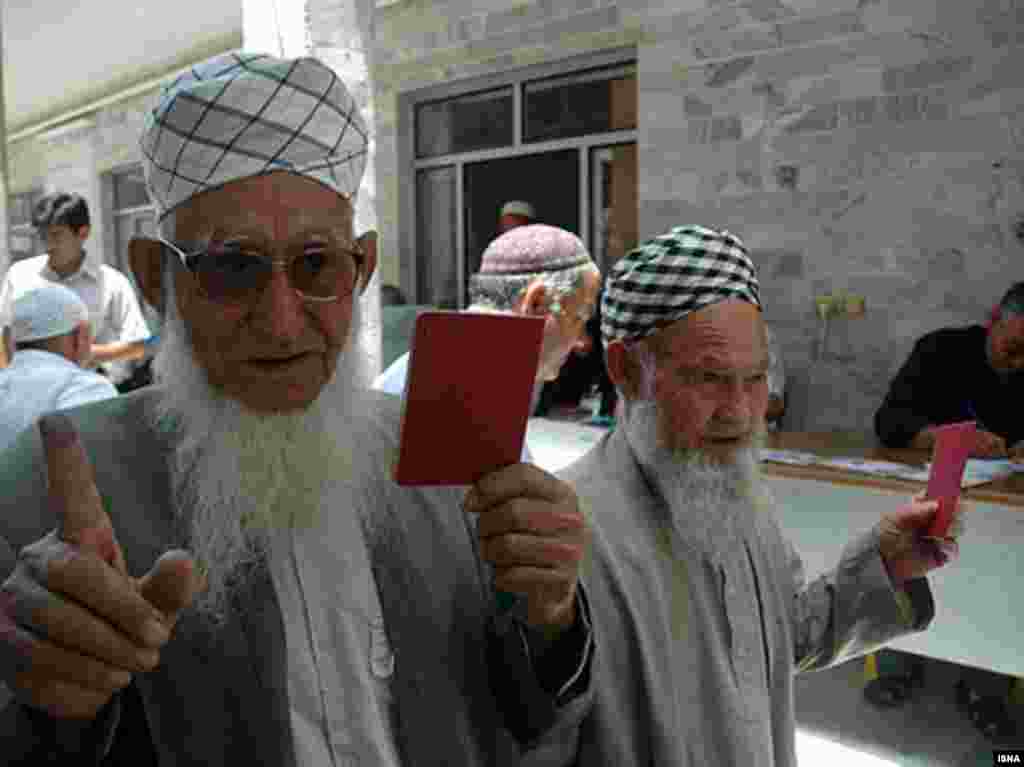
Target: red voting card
pixel 953 444
pixel 467 396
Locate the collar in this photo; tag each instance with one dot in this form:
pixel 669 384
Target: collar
pixel 87 269
pixel 39 356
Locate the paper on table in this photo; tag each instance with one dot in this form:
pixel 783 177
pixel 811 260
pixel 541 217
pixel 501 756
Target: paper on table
pixel 982 471
pixel 795 457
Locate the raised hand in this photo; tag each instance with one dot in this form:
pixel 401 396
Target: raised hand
pixel 533 533
pixel 904 544
pixel 74 626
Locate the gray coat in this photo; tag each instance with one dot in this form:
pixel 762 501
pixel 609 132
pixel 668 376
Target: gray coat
pixel 222 698
pixel 695 658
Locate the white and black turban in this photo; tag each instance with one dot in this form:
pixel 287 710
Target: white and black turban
pixel 672 275
pixel 239 115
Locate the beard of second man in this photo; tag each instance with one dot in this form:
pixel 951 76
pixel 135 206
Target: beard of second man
pixel 711 501
pixel 242 479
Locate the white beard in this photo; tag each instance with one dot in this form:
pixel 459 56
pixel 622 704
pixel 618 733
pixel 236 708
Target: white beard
pixel 711 503
pixel 240 477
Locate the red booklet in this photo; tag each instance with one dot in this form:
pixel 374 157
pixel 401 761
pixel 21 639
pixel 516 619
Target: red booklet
pixel 953 444
pixel 467 396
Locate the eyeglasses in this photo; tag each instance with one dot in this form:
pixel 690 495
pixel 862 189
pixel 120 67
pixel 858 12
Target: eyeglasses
pixel 238 272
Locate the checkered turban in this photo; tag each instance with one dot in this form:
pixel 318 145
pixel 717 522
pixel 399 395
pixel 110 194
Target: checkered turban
pixel 240 115
pixel 672 275
pixel 47 312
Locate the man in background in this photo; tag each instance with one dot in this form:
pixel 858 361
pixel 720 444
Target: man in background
pixel 962 374
pixel 515 213
pixel 53 344
pixel 118 326
pixel 535 270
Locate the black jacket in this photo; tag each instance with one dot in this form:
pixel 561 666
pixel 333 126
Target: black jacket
pixel 946 379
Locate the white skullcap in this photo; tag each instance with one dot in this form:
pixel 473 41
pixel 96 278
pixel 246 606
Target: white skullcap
pixel 47 312
pixel 517 208
pixel 240 115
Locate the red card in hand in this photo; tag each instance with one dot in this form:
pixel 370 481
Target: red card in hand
pixel 953 444
pixel 467 396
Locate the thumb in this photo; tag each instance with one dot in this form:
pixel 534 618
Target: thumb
pixel 172 583
pixel 81 519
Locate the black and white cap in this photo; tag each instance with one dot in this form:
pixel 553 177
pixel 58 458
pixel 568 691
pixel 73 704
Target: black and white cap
pixel 672 275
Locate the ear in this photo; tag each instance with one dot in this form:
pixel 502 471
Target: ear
pixel 83 233
pixel 146 259
pixel 367 244
pixel 534 300
pixel 617 361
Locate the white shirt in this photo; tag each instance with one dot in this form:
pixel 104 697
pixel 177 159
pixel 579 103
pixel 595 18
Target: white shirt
pixel 113 308
pixel 38 382
pixel 340 661
pixel 393 380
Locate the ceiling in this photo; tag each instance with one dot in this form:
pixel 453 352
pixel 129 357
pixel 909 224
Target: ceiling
pixel 60 55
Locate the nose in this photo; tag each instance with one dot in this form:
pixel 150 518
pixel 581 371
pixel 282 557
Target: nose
pixel 280 310
pixel 734 401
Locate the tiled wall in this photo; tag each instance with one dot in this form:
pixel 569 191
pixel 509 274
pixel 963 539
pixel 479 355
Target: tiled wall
pixel 903 121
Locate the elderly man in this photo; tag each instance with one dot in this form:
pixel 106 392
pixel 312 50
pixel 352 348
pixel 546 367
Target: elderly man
pixel 53 343
pixel 119 329
pixel 322 614
pixel 981 371
pixel 700 610
pixel 539 271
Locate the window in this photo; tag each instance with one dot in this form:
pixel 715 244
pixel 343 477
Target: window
pixel 574 105
pixel 22 238
pixel 563 141
pixel 134 215
pixel 476 121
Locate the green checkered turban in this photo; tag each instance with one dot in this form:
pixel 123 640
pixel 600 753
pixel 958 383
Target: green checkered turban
pixel 239 115
pixel 673 275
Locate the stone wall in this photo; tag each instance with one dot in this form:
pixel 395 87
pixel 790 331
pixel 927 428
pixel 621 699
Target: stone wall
pixel 899 123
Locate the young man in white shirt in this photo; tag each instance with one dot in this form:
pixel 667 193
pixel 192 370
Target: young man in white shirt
pixel 53 344
pixel 119 328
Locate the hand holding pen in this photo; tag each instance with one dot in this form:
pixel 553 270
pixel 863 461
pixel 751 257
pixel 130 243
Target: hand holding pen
pixel 987 444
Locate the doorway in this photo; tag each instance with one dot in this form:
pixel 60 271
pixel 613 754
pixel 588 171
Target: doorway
pixel 549 181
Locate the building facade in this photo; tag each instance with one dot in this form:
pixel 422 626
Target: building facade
pixel 860 147
pixel 863 147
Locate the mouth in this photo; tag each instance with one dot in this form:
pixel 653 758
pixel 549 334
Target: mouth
pixel 277 363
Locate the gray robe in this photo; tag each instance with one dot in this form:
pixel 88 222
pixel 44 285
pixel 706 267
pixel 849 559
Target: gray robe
pixel 222 698
pixel 695 655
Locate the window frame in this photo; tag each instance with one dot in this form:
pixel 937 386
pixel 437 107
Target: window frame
pixel 408 104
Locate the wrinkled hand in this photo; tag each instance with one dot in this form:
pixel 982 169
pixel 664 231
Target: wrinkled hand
pixel 532 531
pixel 905 548
pixel 74 626
pixel 988 445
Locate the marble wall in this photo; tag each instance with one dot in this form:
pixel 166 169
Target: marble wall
pixel 871 146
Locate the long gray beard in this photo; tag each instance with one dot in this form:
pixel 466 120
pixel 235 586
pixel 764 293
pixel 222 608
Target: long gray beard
pixel 711 504
pixel 242 479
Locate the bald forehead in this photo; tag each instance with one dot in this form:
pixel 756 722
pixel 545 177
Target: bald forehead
pixel 278 205
pixel 726 334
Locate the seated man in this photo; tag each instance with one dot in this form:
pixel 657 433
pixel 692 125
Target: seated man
pixel 697 597
pixel 536 270
pixel 53 343
pixel 961 374
pixel 321 613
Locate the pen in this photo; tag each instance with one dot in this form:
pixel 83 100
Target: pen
pixel 974 416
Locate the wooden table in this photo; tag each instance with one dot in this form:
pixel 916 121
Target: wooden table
pixel 1008 491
